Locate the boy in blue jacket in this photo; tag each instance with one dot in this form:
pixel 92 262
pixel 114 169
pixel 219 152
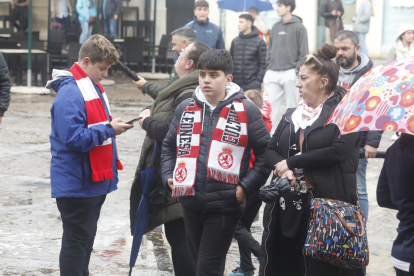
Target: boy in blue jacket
pixel 85 163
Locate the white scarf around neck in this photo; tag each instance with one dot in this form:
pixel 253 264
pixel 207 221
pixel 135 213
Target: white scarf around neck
pixel 305 116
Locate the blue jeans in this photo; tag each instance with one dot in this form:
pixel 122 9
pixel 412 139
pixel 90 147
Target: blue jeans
pixel 362 43
pixel 86 31
pixel 362 186
pixel 110 27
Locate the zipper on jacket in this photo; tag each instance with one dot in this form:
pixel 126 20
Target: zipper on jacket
pixel 206 162
pixel 290 135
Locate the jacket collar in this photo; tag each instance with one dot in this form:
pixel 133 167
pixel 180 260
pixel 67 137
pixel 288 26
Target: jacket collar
pixel 177 86
pixel 253 33
pixel 201 23
pixel 235 95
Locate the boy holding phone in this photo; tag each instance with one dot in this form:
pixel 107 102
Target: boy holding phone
pixel 205 160
pixel 85 163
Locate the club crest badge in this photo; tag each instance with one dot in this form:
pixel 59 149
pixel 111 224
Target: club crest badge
pixel 225 159
pixel 181 172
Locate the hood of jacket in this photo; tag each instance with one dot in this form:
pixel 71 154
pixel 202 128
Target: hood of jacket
pixel 348 75
pixel 233 91
pixel 58 79
pixel 253 33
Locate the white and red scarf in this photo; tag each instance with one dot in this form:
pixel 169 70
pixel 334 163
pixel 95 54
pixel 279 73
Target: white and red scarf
pixel 305 116
pixel 227 147
pixel 100 156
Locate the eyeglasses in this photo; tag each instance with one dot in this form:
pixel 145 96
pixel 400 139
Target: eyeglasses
pixel 308 57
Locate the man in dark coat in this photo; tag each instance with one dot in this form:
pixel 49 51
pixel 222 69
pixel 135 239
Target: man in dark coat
pixel 5 84
pixel 248 51
pixel 352 65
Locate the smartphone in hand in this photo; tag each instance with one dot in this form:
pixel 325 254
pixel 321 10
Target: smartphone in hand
pixel 133 120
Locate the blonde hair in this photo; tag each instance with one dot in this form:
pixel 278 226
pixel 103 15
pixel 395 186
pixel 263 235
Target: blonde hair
pixel 97 48
pixel 255 96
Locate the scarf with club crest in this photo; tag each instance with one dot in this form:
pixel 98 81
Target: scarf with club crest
pixel 227 147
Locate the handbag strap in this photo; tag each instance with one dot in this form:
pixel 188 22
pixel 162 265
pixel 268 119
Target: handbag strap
pixel 358 215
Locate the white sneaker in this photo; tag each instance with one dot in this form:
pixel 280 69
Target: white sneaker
pixel 395 137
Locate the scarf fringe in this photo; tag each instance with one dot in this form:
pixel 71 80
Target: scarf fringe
pixel 183 191
pixel 102 175
pixel 222 176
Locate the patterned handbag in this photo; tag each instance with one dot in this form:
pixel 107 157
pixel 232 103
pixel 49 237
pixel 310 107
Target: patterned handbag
pixel 333 234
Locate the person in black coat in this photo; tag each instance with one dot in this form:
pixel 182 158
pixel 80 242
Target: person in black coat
pixel 331 10
pixel 5 85
pixel 248 51
pixel 395 190
pixel 314 158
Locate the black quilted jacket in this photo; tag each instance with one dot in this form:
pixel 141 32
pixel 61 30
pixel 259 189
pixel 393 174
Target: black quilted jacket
pixel 5 84
pixel 212 195
pixel 249 59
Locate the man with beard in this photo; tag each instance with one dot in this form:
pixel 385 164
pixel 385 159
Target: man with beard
pixel 248 51
pixel 353 65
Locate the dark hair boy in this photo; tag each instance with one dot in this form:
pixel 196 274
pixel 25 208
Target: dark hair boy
pixel 205 160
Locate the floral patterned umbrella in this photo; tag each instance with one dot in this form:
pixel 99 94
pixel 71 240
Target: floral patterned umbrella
pixel 382 99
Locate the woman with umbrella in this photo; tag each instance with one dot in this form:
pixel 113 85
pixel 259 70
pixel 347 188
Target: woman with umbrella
pixel 313 158
pixel 156 121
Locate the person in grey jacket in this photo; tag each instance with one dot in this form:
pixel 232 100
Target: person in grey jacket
pixel 181 38
pixel 352 65
pixel 288 45
pixel 5 85
pixel 362 22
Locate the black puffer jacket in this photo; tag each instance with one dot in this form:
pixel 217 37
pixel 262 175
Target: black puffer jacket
pixel 249 59
pixel 330 163
pixel 5 84
pixel 212 195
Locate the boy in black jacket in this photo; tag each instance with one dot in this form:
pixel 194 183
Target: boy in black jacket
pixel 205 160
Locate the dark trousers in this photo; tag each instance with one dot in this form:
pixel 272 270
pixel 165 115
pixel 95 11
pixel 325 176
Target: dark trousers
pixel 79 218
pixel 181 257
pixel 209 237
pixel 403 273
pixel 247 244
pixel 21 14
pixel 65 21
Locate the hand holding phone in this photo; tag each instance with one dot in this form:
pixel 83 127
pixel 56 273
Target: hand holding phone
pixel 133 120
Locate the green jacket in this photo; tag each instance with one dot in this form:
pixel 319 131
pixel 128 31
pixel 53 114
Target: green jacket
pixel 153 89
pixel 160 111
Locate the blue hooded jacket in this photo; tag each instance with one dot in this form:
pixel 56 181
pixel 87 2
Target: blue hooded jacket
pixel 207 33
pixel 71 140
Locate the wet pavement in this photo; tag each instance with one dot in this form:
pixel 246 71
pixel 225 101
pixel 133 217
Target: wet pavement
pixel 30 225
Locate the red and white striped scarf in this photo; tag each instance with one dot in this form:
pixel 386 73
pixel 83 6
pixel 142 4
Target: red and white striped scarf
pixel 100 156
pixel 227 148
